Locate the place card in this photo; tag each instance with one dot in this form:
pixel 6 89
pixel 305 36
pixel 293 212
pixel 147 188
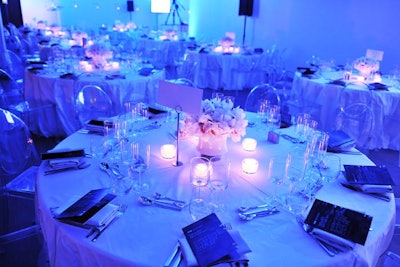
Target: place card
pixel 210 241
pixel 369 179
pixel 342 222
pixel 86 207
pixel 273 137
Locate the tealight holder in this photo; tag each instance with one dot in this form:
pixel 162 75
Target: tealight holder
pixel 168 151
pixel 249 165
pixel 249 144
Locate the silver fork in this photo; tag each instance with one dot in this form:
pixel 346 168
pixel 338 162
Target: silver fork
pixel 99 230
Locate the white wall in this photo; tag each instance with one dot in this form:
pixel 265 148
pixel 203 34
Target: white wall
pixel 341 29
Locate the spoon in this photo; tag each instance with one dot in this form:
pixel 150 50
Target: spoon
pixel 148 202
pixel 158 196
pixel 251 216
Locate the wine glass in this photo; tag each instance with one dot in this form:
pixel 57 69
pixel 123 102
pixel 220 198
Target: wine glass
pixel 219 180
pixel 140 163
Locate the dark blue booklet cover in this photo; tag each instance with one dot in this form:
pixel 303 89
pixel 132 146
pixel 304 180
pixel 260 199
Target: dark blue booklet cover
pixel 210 241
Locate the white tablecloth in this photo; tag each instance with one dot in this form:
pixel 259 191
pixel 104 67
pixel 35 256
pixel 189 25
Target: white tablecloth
pixel 230 71
pixel 146 235
pixel 385 106
pixel 48 88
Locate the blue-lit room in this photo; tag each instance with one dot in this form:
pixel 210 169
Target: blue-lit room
pixel 184 133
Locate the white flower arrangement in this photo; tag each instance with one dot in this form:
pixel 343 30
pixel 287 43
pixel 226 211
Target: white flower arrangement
pixel 366 65
pixel 99 49
pixel 218 117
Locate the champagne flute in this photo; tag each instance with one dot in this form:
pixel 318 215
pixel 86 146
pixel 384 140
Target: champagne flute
pixel 219 180
pixel 140 163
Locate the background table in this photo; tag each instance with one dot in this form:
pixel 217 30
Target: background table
pixel 385 106
pixel 146 235
pixel 230 71
pixel 48 88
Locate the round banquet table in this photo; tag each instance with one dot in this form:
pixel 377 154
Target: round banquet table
pixel 44 87
pixel 165 52
pixel 385 106
pixel 236 71
pixel 146 235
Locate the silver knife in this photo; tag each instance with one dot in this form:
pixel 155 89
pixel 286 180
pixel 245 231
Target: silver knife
pixel 173 255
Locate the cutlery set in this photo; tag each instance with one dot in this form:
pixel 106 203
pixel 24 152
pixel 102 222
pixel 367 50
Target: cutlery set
pixel 250 213
pixel 330 247
pixel 97 231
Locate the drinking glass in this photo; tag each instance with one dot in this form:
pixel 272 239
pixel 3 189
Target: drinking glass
pixel 199 203
pixel 297 199
pixel 140 163
pixel 219 180
pixel 199 171
pixel 330 168
pixel 273 117
pixel 277 172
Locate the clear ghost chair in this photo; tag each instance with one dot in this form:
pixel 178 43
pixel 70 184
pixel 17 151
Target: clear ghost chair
pixel 19 162
pixel 262 93
pixel 357 121
pixel 92 102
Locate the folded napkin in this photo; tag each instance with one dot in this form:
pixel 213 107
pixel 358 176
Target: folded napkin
pixel 371 188
pixel 145 71
pixel 62 163
pixel 335 241
pixel 115 76
pixel 104 216
pixel 339 141
pixel 338 82
pixel 71 76
pixel 190 259
pixel 378 86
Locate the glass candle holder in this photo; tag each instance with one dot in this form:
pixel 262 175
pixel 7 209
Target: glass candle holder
pixel 249 165
pixel 168 151
pixel 249 144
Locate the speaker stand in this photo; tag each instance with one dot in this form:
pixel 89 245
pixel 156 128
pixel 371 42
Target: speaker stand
pixel 244 31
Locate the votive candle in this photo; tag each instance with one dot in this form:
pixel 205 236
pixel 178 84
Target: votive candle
pixel 168 151
pixel 249 144
pixel 201 170
pixel 249 165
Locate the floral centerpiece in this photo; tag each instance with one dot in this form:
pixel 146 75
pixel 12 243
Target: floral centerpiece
pixel 218 121
pixel 99 52
pixel 366 66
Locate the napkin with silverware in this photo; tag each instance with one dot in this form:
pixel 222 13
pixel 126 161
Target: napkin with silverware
pixel 104 216
pixel 332 240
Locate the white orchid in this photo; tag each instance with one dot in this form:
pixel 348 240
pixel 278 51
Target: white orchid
pixel 218 117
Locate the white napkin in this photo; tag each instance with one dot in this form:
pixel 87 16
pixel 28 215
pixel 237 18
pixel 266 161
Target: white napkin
pixel 190 259
pixel 61 163
pixel 380 189
pixel 104 216
pixel 334 240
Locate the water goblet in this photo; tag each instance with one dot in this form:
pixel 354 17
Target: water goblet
pixel 219 180
pixel 140 163
pixel 199 171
